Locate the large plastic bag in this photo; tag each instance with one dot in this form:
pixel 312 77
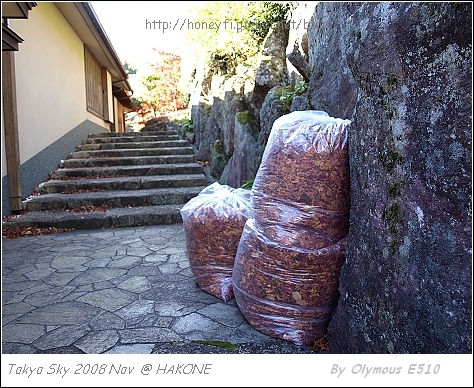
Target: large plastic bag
pixel 283 291
pixel 301 193
pixel 306 161
pixel 286 270
pixel 297 224
pixel 213 223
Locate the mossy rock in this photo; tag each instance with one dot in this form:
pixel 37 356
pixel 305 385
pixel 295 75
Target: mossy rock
pixel 246 117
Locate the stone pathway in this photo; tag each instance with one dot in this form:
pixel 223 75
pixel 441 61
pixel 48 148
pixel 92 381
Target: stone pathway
pixel 115 291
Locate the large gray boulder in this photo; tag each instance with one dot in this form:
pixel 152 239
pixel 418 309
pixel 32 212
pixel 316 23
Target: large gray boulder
pixel 217 98
pixel 272 70
pixel 332 86
pixel 402 73
pixel 271 110
pixel 200 115
pixel 243 164
pixel 214 121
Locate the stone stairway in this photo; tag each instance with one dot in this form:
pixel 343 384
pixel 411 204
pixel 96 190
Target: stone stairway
pixel 116 180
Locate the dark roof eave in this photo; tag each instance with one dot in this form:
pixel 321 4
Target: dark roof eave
pixel 124 97
pixel 10 40
pixel 22 7
pixel 126 83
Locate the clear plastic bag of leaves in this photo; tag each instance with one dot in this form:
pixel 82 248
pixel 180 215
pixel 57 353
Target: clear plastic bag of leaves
pixel 306 161
pixel 286 292
pixel 301 193
pixel 296 224
pixel 213 222
pixel 286 270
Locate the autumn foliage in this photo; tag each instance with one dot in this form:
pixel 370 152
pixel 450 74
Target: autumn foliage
pixel 162 94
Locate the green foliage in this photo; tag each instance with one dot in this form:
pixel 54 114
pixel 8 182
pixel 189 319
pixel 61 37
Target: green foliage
pixel 129 69
pixel 286 98
pixel 246 117
pixel 392 81
pixel 182 98
pixel 229 346
pixel 219 146
pixel 394 189
pixel 262 14
pixel 162 93
pixel 392 217
pixel 186 123
pixel 206 107
pixel 227 34
pixel 301 87
pixel 149 81
pixel 287 93
pixel 248 184
pixel 136 102
pixel 393 247
pixel 151 99
pixel 222 62
pixel 389 158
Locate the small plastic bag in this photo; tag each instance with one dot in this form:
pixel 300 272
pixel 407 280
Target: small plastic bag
pixel 213 222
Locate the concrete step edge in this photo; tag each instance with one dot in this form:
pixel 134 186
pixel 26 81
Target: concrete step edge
pixel 130 134
pixel 123 161
pixel 137 170
pixel 133 152
pixel 133 145
pixel 122 183
pixel 116 217
pixel 114 199
pixel 149 138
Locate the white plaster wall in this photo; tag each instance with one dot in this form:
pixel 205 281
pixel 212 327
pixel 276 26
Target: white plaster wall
pixel 50 78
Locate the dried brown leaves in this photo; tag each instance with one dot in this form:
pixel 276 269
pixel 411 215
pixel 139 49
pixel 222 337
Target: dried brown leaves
pixel 90 208
pixel 81 191
pixel 297 171
pixel 213 225
pixel 287 266
pixel 284 291
pixel 31 231
pixel 321 344
pixel 212 243
pixel 297 224
pixel 203 163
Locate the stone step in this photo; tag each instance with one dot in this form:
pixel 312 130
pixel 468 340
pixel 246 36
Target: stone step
pixel 116 198
pixel 126 161
pixel 117 180
pixel 131 134
pixel 133 170
pixel 130 145
pixel 126 153
pixel 130 139
pixel 158 132
pixel 115 217
pixel 122 183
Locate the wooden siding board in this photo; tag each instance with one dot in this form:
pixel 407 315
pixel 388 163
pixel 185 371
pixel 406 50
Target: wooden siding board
pixel 10 121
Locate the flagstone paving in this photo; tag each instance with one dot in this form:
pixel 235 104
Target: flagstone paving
pixel 116 291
